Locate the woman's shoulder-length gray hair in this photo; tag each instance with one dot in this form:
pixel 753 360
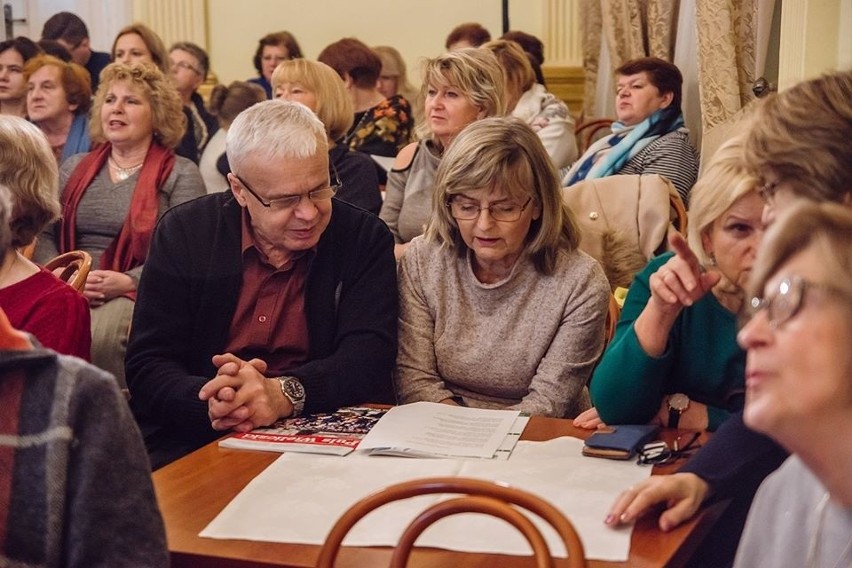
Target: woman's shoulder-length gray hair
pixel 275 129
pixel 504 153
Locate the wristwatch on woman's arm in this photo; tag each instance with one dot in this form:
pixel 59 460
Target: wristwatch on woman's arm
pixel 678 403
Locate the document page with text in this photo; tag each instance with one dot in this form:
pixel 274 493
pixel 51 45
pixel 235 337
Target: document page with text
pixel 430 429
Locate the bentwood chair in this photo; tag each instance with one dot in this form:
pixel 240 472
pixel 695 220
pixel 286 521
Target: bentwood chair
pixel 72 267
pixel 589 131
pixel 478 496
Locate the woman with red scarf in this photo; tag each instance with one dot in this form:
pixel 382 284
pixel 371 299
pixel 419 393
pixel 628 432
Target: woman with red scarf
pixel 113 196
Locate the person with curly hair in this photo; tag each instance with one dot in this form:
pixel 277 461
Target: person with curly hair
pixel 113 196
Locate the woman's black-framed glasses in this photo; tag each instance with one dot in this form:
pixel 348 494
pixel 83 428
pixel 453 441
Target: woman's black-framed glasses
pixel 658 453
pixel 291 201
pixel 503 211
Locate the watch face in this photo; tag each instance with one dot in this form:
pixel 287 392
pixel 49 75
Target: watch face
pixel 294 388
pixel 678 401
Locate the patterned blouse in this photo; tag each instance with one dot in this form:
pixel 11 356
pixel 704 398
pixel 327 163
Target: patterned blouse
pixel 382 130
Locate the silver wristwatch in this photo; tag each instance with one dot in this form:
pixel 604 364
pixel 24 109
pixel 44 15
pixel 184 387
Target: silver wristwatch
pixel 294 391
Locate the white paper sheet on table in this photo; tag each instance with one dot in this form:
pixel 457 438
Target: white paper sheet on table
pixel 299 497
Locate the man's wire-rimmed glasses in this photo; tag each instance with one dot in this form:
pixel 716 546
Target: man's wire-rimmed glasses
pixel 291 201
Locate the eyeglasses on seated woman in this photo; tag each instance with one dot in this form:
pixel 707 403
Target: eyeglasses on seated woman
pixel 498 306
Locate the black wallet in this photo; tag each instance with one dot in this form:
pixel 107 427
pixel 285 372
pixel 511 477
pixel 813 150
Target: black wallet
pixel 619 442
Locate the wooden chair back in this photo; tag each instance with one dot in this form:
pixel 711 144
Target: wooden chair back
pixel 589 131
pixel 72 267
pixel 612 315
pixel 479 496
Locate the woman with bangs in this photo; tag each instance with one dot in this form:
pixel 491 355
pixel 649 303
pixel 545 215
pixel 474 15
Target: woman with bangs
pixel 113 196
pixel 318 87
pixel 498 306
pixel 459 88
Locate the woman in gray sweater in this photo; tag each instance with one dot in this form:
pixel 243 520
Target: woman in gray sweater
pixel 498 306
pixel 113 196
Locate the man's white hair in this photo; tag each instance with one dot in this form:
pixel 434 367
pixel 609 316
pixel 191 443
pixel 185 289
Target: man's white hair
pixel 275 129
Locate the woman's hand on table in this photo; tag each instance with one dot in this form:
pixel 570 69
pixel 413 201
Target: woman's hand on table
pixel 589 420
pixel 680 493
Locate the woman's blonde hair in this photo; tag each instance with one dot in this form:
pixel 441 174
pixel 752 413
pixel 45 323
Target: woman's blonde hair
pixel 168 120
pixel 28 169
pixel 151 40
pixel 504 153
pixel 827 227
pixel 474 72
pixel 516 66
pixel 334 105
pixel 725 181
pixel 802 135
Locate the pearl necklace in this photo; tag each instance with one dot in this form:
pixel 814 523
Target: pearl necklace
pixel 124 173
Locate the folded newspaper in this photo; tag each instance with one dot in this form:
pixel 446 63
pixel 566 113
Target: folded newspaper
pixel 336 433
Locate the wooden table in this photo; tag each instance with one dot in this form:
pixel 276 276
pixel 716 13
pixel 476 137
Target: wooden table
pixel 194 489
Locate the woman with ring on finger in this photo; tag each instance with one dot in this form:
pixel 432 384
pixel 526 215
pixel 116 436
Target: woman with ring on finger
pixel 674 359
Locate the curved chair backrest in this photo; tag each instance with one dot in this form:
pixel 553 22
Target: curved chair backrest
pixel 612 315
pixel 589 131
pixel 480 496
pixel 72 267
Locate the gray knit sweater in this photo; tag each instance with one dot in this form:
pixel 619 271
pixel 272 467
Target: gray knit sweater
pixel 73 469
pixel 528 342
pixel 104 206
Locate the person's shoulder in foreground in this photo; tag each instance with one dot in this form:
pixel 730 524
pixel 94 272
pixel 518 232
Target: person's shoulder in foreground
pixel 79 490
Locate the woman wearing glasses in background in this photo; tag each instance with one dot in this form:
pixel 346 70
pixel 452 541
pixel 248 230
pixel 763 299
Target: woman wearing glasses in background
pixel 799 389
pixel 272 49
pixel 498 307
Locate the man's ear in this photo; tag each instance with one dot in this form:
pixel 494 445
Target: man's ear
pixel 237 189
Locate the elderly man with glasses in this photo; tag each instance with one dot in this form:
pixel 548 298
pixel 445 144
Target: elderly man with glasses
pixel 265 302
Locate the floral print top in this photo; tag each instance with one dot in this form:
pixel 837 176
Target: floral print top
pixel 382 130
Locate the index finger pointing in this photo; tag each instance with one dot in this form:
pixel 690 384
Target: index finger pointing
pixel 681 248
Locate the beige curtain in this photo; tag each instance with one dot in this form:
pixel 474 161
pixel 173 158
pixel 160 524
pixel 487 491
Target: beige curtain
pixel 727 35
pixel 630 28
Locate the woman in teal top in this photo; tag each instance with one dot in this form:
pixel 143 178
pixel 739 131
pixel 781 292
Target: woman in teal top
pixel 674 359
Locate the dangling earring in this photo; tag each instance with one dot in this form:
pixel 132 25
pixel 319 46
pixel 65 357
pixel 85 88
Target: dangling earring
pixel 712 259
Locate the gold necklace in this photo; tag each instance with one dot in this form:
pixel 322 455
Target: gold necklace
pixel 124 173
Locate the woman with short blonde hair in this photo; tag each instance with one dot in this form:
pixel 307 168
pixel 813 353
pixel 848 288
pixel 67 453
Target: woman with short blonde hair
pixel 318 87
pixel 459 88
pixel 674 359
